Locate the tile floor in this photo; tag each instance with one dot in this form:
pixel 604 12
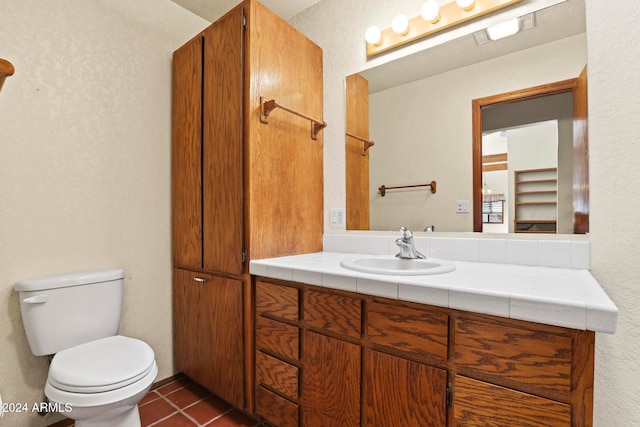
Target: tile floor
pixel 182 403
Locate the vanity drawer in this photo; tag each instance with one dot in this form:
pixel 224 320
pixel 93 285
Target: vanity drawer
pixel 515 357
pixel 276 409
pixel 335 313
pixel 277 301
pixel 277 375
pixel 277 338
pixel 477 403
pixel 416 333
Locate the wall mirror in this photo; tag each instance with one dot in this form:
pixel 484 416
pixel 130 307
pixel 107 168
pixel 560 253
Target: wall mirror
pixel 419 111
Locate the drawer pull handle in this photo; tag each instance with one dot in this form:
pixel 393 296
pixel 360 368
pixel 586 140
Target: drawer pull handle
pixel 199 279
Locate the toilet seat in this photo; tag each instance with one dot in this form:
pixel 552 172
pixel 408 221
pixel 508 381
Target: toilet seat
pixel 101 366
pixel 93 400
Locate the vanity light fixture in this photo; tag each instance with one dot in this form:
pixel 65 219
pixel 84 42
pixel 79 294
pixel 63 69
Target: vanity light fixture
pixel 434 18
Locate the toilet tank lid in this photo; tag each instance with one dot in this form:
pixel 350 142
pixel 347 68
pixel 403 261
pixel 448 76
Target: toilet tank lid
pixel 69 279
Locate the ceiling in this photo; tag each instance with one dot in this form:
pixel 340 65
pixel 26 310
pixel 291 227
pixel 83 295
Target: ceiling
pixel 211 10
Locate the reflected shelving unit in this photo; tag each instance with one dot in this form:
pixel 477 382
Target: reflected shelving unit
pixel 536 200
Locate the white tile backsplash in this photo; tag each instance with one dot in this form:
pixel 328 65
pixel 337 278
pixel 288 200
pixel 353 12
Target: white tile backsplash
pixel 466 250
pixel 522 252
pixel 492 251
pixel 580 255
pixel 442 247
pixel 554 253
pixel 544 253
pixel 362 244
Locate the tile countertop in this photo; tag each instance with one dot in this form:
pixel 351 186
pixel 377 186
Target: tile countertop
pixel 556 296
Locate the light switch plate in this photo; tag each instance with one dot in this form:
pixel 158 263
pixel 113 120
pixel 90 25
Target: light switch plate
pixel 338 217
pixel 462 206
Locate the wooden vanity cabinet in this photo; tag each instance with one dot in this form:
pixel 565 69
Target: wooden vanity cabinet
pixel 241 189
pixel 277 339
pixel 369 361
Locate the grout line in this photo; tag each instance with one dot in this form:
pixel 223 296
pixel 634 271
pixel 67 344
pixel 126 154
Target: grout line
pixel 178 410
pixel 217 418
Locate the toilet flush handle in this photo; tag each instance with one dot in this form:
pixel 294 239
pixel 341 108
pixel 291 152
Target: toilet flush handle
pixel 38 299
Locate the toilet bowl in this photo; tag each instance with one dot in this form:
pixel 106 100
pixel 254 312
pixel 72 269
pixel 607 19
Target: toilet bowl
pixel 101 382
pixel 96 377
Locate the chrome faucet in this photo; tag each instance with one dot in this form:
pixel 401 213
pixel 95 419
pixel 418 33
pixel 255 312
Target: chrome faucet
pixel 406 245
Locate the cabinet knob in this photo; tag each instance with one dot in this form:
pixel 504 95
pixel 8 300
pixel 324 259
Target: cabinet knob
pixel 199 279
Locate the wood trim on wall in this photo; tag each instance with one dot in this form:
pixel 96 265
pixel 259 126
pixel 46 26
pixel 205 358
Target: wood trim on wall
pixel 477 105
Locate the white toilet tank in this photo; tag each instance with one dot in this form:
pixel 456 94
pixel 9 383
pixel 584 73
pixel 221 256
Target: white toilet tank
pixel 70 309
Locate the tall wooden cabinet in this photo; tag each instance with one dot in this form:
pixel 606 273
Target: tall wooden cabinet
pixel 242 189
pixel 357 145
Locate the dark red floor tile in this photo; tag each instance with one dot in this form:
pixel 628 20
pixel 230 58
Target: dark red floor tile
pixel 207 409
pixel 154 411
pixel 173 386
pixel 186 396
pixel 151 396
pixel 234 418
pixel 177 420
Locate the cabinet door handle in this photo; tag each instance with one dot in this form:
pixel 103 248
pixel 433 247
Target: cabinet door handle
pixel 199 279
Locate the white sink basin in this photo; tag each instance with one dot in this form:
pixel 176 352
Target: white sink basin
pixel 390 265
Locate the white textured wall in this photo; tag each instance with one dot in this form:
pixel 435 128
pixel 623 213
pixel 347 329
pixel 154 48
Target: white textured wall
pixel 430 120
pixel 613 37
pixel 85 137
pixel 614 156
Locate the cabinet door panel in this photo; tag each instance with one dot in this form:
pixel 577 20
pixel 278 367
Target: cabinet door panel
pixel 186 164
pixel 480 404
pixel 334 313
pixel 400 392
pixel 186 333
pixel 515 357
pixel 330 382
pixel 415 332
pixel 223 144
pixel 208 332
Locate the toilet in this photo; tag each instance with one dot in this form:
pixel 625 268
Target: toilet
pixel 96 377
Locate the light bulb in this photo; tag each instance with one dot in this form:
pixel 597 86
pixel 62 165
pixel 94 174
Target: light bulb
pixel 400 25
pixel 372 35
pixel 466 4
pixel 431 11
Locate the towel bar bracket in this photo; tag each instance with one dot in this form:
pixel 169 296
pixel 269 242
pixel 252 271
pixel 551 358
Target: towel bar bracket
pixel 267 106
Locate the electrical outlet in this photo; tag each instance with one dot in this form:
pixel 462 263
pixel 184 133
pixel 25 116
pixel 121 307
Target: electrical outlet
pixel 338 217
pixel 462 206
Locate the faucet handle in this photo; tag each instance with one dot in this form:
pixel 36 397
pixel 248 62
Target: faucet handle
pixel 406 233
